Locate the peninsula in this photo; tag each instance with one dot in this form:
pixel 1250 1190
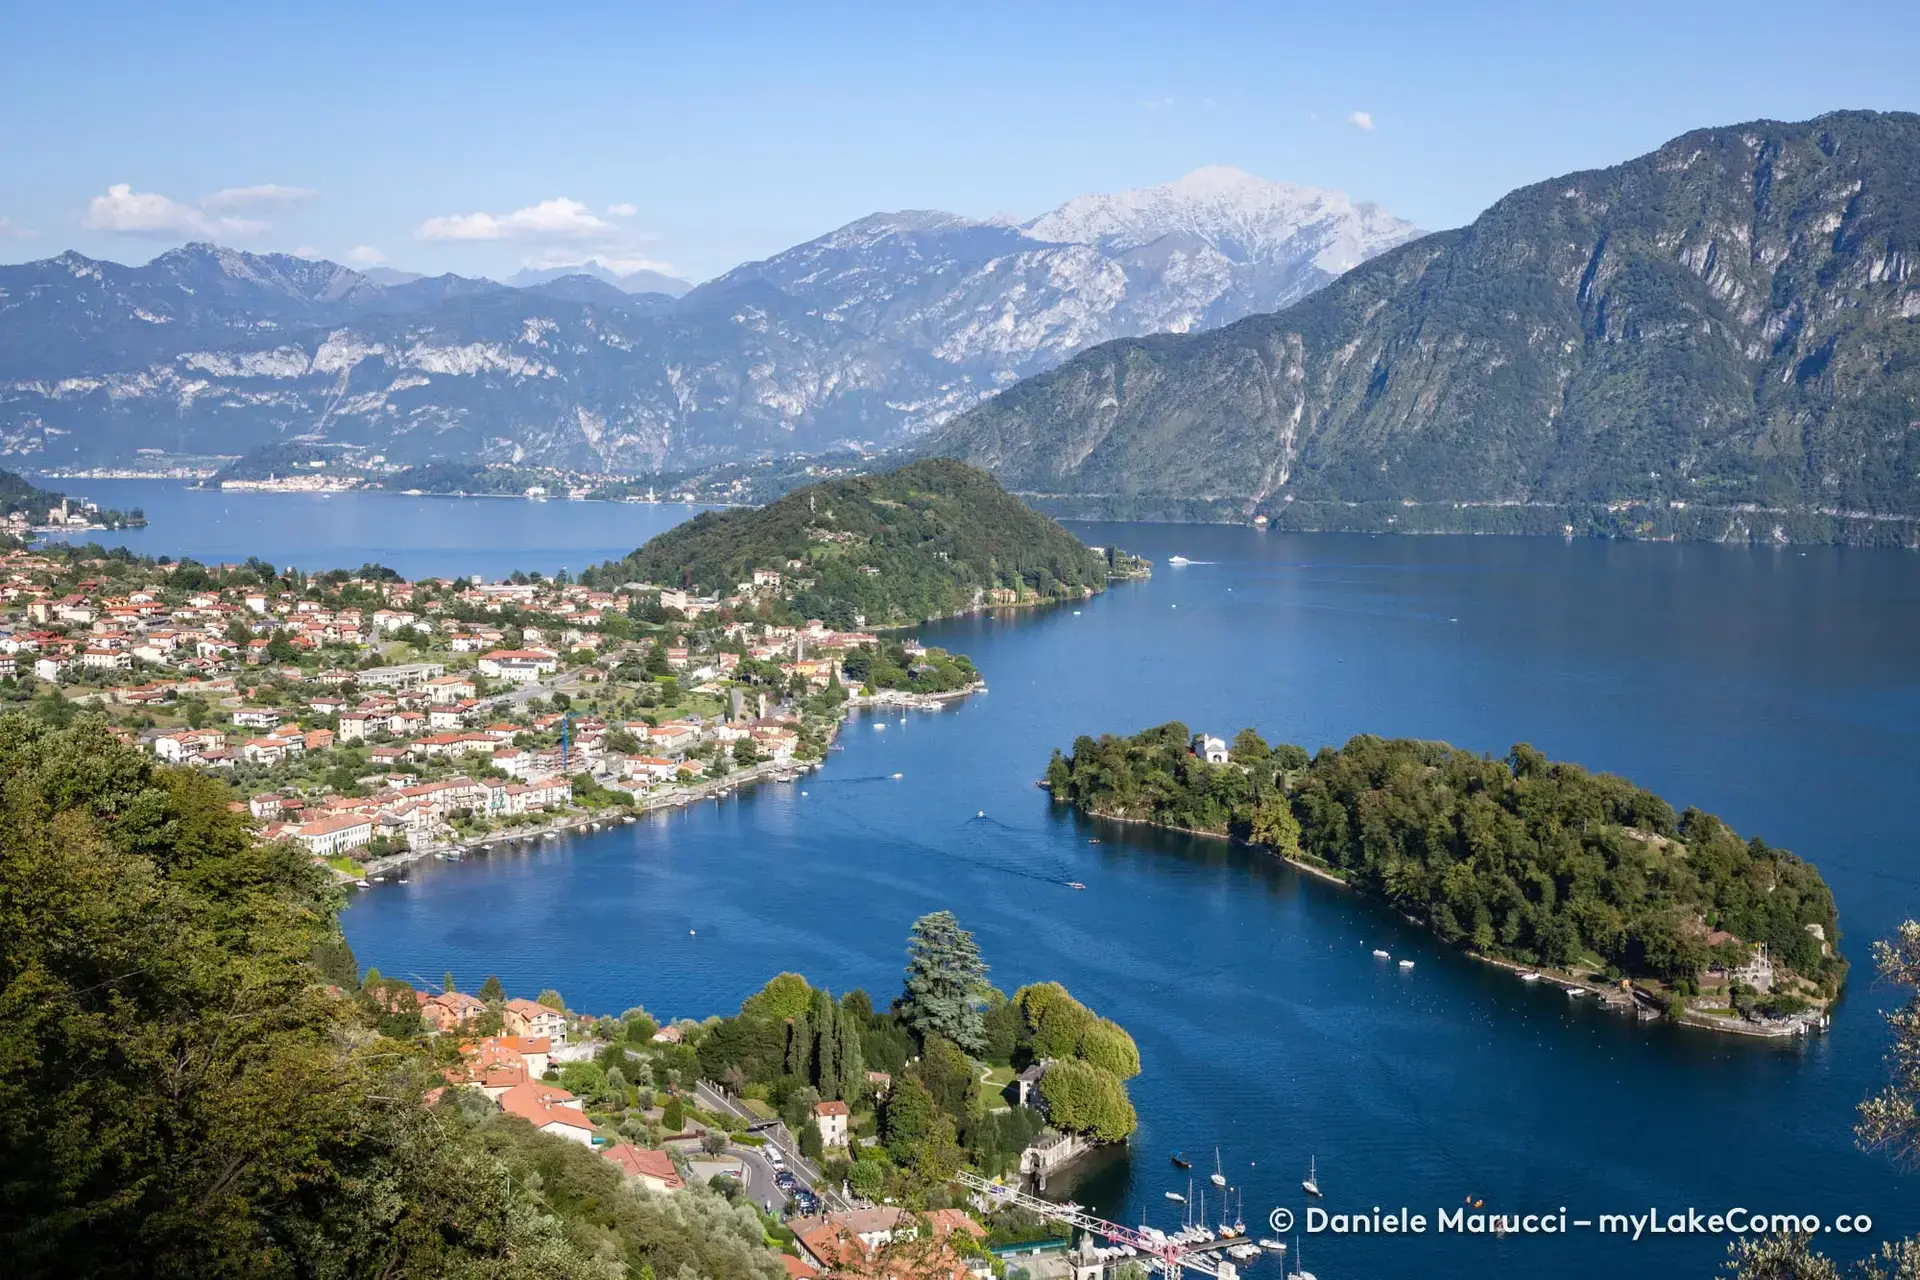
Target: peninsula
pixel 1536 865
pixel 928 540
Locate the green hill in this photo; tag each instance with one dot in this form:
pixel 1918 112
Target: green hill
pixel 923 541
pixel 1724 334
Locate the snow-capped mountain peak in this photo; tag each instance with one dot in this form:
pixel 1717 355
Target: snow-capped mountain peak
pixel 1245 218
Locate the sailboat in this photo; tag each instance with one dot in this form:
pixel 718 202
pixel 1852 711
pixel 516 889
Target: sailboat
pixel 1219 1178
pixel 1311 1184
pixel 1180 1199
pixel 1301 1272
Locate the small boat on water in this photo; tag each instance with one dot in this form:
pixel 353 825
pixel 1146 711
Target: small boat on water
pixel 1276 1246
pixel 1298 1261
pixel 363 884
pixel 1075 884
pixel 1178 560
pixel 1176 1197
pixel 1529 977
pixel 1406 964
pixel 1178 1163
pixel 1311 1183
pixel 1218 1177
pixel 1378 954
pixel 898 776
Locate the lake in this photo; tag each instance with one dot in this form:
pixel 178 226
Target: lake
pixel 1775 687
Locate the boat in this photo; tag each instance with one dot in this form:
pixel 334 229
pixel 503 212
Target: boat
pixel 1075 884
pixel 1378 954
pixel 898 776
pixel 1302 1273
pixel 1276 1246
pixel 878 727
pixel 1529 977
pixel 363 884
pixel 1311 1183
pixel 1176 1197
pixel 1574 993
pixel 981 814
pixel 1178 1163
pixel 1095 840
pixel 1178 560
pixel 1406 964
pixel 1219 1178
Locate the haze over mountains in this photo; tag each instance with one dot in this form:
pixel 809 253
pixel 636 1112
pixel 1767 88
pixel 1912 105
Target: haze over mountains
pixel 1732 319
pixel 873 334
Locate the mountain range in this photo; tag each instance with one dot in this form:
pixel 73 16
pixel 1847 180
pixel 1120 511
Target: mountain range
pixel 1715 339
pixel 870 336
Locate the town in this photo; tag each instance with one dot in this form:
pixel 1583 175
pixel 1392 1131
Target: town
pixel 370 719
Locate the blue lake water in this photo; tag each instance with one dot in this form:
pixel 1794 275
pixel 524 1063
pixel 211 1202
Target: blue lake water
pixel 1778 688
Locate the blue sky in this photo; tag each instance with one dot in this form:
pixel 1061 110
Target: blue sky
pixel 480 137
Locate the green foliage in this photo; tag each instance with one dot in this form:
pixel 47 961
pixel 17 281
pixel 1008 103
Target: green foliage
pixel 908 1116
pixel 552 1000
pixel 945 981
pixel 1523 858
pixel 937 532
pixel 1890 1120
pixel 1081 1098
pixel 1107 1046
pixel 949 1075
pixel 786 996
pixel 491 990
pixel 673 1116
pixel 178 1087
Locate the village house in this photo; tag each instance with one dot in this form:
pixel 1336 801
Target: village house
pixel 551 1110
pixel 831 1117
pixel 332 836
pixel 530 1018
pixel 451 1009
pixel 652 1169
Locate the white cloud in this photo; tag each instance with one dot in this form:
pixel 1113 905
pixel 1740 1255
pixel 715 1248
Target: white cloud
pixel 559 219
pixel 124 211
pixel 622 210
pixel 1361 120
pixel 267 195
pixel 307 251
pixel 8 230
pixel 366 255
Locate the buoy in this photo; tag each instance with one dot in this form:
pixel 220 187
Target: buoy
pixel 690 933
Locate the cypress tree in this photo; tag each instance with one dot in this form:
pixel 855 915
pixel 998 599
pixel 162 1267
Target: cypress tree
pixel 853 1071
pixel 826 1065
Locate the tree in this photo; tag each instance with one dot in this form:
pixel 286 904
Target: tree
pixel 853 1071
pixel 867 1177
pixel 945 979
pixel 810 1144
pixel 491 991
pixel 552 1000
pixel 1249 748
pixel 1002 1026
pixel 908 1115
pixel 1107 1046
pixel 948 1074
pixel 1274 825
pixel 446 983
pixel 673 1116
pixel 1081 1098
pixel 1890 1120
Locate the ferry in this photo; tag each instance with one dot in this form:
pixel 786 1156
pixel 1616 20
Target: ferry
pixel 1178 560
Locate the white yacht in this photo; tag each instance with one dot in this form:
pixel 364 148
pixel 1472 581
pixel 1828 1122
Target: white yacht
pixel 1311 1183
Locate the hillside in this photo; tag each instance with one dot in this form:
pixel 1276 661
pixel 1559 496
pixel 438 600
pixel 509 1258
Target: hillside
pixel 923 541
pixel 198 1086
pixel 872 334
pixel 1732 320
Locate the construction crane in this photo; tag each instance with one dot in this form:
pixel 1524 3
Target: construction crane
pixel 1170 1255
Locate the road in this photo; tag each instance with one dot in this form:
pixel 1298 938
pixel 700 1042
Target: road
pixel 713 1099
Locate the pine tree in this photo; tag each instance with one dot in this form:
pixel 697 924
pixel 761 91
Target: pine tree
pixel 826 1059
pixel 945 979
pixel 799 1047
pixel 491 990
pixel 446 983
pixel 853 1071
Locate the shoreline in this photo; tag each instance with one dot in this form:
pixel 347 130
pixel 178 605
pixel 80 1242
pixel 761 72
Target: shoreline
pixel 1575 985
pixel 390 865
